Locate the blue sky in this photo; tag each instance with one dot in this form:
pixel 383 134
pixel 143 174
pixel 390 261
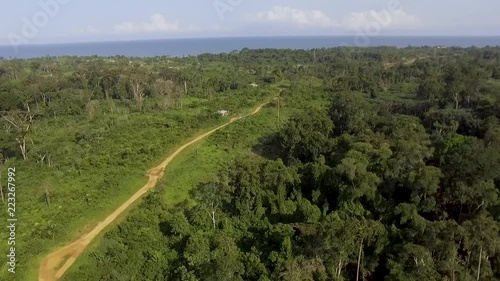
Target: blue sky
pixel 47 21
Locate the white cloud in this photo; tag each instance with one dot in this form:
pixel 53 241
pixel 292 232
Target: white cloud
pixel 386 20
pixel 398 20
pixel 89 30
pixel 302 18
pixel 219 28
pixel 157 23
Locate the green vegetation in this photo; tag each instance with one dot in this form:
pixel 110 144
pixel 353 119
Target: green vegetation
pixel 202 162
pixel 89 128
pixel 374 164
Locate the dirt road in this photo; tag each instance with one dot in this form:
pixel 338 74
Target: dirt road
pixel 56 264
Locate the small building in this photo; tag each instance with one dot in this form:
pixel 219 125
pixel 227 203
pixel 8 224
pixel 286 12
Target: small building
pixel 223 113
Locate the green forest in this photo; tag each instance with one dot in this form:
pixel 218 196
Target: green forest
pixel 368 164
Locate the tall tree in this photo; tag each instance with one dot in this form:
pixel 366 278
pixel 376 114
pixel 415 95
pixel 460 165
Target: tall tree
pixel 210 196
pixel 306 135
pixel 350 113
pixel 18 124
pixel 167 92
pixel 138 94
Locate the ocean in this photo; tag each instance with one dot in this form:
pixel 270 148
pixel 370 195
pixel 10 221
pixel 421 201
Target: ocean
pixel 187 47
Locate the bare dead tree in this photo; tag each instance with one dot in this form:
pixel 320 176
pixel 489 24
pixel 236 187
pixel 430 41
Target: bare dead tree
pixel 45 158
pixel 1 187
pixel 49 161
pixel 456 98
pixel 339 269
pixel 19 124
pixel 359 259
pixel 185 93
pixel 385 85
pixel 479 265
pixel 138 92
pixel 167 91
pixel 211 197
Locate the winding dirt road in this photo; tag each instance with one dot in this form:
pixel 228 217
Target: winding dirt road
pixel 57 263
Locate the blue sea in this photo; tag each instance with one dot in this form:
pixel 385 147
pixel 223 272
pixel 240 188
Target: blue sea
pixel 187 47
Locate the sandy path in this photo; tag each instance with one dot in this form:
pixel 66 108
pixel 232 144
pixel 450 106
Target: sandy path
pixel 56 264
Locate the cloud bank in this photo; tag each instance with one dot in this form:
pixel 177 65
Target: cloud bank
pixel 399 20
pixel 283 17
pixel 310 19
pixel 301 18
pixel 157 23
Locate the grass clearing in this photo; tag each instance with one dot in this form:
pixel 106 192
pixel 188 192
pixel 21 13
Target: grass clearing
pixel 201 163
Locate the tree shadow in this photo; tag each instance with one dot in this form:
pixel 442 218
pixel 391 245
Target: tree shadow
pixel 269 148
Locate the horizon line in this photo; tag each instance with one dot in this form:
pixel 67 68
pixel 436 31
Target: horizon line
pixel 6 44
